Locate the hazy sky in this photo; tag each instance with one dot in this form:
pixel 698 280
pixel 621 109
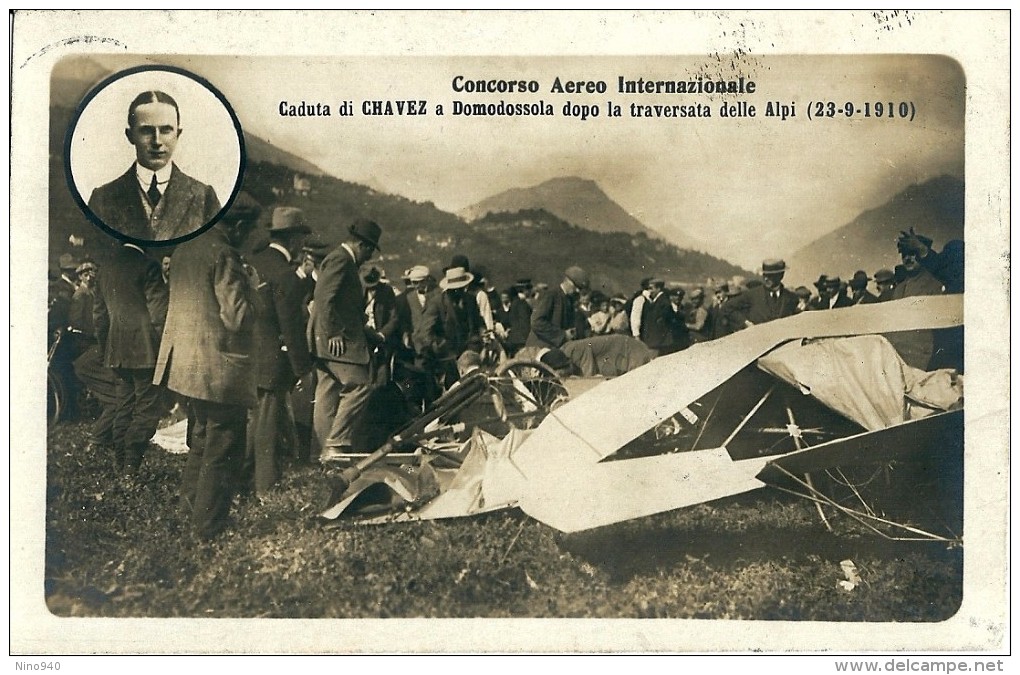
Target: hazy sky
pixel 745 188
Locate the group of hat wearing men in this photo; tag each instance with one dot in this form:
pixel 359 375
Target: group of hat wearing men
pixel 230 336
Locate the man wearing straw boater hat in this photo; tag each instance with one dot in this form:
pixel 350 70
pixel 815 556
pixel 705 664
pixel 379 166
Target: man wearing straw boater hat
pixel 341 343
pixel 417 312
pixel 460 324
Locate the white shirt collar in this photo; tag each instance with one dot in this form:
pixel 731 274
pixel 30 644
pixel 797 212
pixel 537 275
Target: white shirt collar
pixel 281 248
pixel 350 250
pixel 135 247
pixel 162 176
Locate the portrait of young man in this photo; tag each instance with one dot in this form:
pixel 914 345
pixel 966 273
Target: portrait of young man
pixel 154 200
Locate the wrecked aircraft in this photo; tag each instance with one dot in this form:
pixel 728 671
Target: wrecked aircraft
pixel 817 394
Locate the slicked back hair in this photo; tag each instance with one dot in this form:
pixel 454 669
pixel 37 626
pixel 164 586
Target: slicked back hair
pixel 152 97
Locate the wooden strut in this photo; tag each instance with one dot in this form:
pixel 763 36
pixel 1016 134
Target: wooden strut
pixel 454 399
pixel 747 419
pixel 863 518
pixel 807 476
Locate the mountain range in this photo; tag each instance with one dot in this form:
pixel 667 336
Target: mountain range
pixel 934 208
pixel 575 200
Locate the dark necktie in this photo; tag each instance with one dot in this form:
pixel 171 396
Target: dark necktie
pixel 153 192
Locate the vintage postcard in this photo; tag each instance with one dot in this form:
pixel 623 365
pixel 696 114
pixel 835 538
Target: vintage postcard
pixel 654 321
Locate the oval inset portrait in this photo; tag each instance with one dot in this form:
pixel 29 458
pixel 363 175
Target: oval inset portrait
pixel 154 155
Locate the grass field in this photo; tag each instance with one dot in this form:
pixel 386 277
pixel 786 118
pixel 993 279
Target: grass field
pixel 117 549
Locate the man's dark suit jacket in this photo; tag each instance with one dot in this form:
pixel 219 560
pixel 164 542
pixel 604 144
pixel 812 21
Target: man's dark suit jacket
pixel 765 308
pixel 519 323
pixel 657 323
pixel 281 324
pixel 387 323
pixel 821 303
pixel 553 314
pixel 186 205
pixel 338 311
pixel 130 309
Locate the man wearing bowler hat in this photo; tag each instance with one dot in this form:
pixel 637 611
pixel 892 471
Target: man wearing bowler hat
pixel 341 342
pixel 859 293
pixel 772 300
pixel 552 321
pixel 281 349
pixel 830 295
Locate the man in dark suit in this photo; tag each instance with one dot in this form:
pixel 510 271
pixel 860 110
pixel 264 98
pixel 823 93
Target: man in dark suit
pixel 450 323
pixel 97 378
pixel 885 280
pixel 657 319
pixel 129 311
pixel 553 320
pixel 860 295
pixel 417 312
pixel 206 356
pixel 772 300
pixel 381 317
pixel 281 351
pixel 830 295
pixel 341 343
pixel 154 200
pixel 519 319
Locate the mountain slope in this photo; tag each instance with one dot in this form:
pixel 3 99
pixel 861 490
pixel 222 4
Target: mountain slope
pixel 259 150
pixel 933 208
pixel 575 200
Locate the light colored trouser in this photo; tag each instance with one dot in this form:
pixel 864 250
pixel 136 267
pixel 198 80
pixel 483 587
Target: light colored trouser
pixel 337 408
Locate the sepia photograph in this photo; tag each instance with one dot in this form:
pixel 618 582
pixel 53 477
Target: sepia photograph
pixel 652 346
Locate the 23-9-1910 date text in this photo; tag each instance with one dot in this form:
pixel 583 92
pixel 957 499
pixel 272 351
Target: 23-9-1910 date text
pixel 895 110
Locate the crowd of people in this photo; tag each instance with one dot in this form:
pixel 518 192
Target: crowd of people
pixel 284 352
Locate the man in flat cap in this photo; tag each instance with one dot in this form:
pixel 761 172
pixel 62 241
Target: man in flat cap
pixel 281 348
pixel 61 290
pixel 97 378
pixel 341 343
pixel 154 200
pixel 772 300
pixel 885 281
pixel 206 356
pixel 697 319
pixel 553 318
